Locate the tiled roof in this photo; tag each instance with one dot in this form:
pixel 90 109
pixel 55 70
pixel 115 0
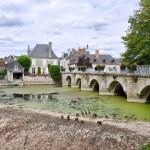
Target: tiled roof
pixel 41 51
pixel 2 63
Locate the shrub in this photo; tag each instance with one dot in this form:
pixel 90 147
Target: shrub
pixel 82 68
pixel 99 67
pixel 122 67
pixel 146 147
pixel 54 72
pixel 70 68
pixel 39 70
pixel 3 73
pixel 132 67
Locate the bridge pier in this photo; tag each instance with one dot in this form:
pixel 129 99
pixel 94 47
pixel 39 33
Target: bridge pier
pixel 85 86
pixel 103 88
pixel 132 95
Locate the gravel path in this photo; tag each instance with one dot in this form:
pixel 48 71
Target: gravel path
pixel 29 130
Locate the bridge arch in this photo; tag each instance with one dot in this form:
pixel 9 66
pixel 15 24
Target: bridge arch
pixel 116 88
pixel 68 80
pixel 145 93
pixel 78 82
pixel 94 85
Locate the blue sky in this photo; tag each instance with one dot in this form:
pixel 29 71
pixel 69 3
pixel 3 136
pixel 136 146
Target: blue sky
pixel 66 23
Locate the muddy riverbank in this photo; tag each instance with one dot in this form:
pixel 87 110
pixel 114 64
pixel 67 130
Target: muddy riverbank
pixel 27 129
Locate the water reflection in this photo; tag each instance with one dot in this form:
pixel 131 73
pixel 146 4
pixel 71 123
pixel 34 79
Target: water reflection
pixel 32 97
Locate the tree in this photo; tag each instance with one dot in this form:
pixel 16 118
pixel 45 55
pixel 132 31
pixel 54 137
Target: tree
pixel 137 39
pixel 54 72
pixel 26 62
pixel 3 73
pixel 84 61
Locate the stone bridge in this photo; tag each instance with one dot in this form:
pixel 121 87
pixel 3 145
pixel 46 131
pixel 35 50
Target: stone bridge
pixel 135 87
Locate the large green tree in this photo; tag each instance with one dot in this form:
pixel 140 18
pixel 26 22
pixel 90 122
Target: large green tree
pixel 137 39
pixel 26 62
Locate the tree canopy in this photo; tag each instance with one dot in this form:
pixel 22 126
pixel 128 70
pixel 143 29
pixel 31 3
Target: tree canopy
pixel 25 61
pixel 137 39
pixel 84 61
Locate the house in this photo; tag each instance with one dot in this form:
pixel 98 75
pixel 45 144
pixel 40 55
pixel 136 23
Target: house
pixel 63 62
pixel 42 55
pixel 15 71
pixel 111 64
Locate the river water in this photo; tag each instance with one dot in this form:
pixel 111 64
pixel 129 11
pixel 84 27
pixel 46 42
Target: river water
pixel 72 101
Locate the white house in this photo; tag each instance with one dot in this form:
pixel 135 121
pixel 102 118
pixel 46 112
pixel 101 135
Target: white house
pixel 42 55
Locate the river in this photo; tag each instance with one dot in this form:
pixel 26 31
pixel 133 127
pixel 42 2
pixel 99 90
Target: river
pixel 73 101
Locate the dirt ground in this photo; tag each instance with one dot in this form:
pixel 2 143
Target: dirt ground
pixel 28 130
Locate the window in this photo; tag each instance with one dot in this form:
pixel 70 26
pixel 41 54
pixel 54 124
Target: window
pixel 44 70
pixel 33 96
pixel 16 67
pixel 33 70
pixel 94 60
pixel 104 60
pixel 113 61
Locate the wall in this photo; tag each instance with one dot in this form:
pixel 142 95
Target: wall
pixel 43 63
pixel 38 80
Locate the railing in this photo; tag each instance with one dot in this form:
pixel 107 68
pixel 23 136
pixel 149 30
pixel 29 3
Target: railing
pixel 140 70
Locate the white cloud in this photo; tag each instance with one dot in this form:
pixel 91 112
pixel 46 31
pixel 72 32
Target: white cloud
pixel 67 23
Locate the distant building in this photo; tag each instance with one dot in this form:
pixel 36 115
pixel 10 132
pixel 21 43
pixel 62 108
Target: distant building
pixel 111 64
pixel 15 70
pixel 11 57
pixel 63 62
pixel 42 55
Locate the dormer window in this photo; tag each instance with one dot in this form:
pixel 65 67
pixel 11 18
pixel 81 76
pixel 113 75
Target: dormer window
pixel 113 61
pixel 94 60
pixel 16 67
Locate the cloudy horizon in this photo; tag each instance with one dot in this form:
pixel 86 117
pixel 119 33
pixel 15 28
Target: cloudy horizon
pixel 65 23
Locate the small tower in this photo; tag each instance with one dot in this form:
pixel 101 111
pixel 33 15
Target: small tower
pixel 28 51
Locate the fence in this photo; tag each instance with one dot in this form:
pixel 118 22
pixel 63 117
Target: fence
pixel 140 70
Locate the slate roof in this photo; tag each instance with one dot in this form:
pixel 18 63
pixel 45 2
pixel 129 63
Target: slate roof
pixel 103 59
pixel 11 66
pixel 106 60
pixel 41 51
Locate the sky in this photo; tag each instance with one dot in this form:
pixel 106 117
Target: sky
pixel 66 23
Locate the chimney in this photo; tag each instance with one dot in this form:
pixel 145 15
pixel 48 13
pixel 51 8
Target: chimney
pixel 50 50
pixel 80 51
pixel 97 53
pixel 84 51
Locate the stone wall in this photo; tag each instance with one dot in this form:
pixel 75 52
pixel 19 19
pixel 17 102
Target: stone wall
pixel 38 80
